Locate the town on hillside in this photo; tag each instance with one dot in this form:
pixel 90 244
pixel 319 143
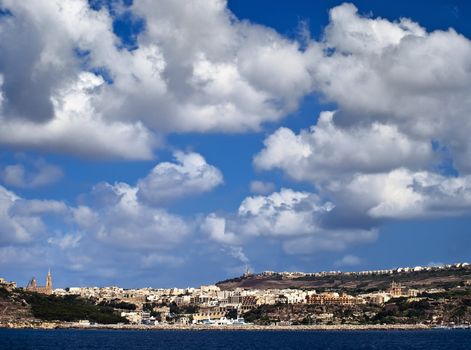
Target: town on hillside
pixel 438 296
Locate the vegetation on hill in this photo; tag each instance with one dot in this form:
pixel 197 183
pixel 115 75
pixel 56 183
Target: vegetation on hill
pixel 118 304
pixel 70 308
pixel 12 309
pixel 55 308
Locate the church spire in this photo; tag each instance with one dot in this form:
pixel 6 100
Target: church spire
pixel 49 282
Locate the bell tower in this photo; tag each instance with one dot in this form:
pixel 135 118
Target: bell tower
pixel 49 282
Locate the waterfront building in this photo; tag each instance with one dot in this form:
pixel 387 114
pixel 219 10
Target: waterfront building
pixel 210 313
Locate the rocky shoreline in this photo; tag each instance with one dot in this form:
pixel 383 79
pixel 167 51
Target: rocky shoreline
pixel 61 325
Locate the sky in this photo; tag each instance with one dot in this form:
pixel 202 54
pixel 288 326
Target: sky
pixel 175 143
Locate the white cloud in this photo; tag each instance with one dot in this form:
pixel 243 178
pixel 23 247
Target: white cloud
pixel 405 194
pixel 111 223
pixel 42 174
pixel 326 150
pixel 195 68
pixel 227 74
pixel 66 85
pixel 30 207
pixel 84 216
pixel 48 99
pixel 215 227
pixel 397 74
pixel 403 97
pixel 294 218
pixel 261 187
pixel 78 129
pixel 126 222
pixel 20 220
pixel 351 33
pixel 282 213
pixel 135 218
pixel 66 241
pixel 190 175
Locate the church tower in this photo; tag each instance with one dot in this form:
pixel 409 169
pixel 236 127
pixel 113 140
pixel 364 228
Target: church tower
pixel 49 282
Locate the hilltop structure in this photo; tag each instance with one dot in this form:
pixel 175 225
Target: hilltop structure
pixel 395 290
pixel 47 289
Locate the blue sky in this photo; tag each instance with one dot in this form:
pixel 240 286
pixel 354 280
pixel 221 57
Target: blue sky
pixel 172 143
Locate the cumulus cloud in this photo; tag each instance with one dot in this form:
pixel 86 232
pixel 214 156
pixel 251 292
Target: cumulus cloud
pixel 190 175
pixel 326 150
pixel 84 216
pixel 368 175
pixel 20 219
pixel 41 174
pixel 134 217
pixel 196 67
pixel 112 223
pixel 68 83
pixel 292 217
pixel 402 97
pixel 398 74
pixel 281 213
pixel 126 222
pixel 78 129
pixel 405 194
pixel 66 77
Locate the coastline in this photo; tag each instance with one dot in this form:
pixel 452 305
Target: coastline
pixel 62 325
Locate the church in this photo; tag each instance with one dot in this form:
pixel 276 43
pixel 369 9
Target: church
pixel 33 285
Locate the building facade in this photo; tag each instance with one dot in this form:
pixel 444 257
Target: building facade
pixel 47 289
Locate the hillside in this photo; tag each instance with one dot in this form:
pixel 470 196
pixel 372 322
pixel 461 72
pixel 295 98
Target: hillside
pixel 13 308
pixel 354 282
pixel 19 305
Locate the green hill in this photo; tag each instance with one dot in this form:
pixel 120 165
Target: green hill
pixel 21 305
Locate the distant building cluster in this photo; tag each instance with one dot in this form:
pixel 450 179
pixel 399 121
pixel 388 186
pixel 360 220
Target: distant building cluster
pixel 211 304
pixel 294 275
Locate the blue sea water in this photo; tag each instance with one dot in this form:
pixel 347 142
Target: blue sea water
pixel 13 339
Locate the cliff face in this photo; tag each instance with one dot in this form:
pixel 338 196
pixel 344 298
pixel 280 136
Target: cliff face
pixel 440 278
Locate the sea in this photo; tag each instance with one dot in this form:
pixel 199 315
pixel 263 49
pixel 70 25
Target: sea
pixel 20 339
